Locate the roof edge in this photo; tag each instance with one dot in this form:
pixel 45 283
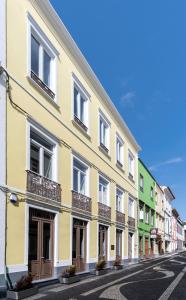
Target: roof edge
pixel 46 7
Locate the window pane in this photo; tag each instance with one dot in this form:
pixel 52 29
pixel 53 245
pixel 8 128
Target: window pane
pixel 100 131
pixel 34 56
pixel 75 180
pixel 75 102
pixel 40 140
pixel 82 110
pixel 104 194
pixel 46 68
pixel 82 183
pixel 100 193
pixel 47 165
pixel 34 159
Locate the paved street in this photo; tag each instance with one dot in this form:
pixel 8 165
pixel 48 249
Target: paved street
pixel 161 279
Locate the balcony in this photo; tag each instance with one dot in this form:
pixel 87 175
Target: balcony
pixel 43 187
pixel 104 211
pixel 81 202
pixel 120 217
pixel 131 222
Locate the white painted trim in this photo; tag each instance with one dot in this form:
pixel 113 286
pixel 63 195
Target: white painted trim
pixel 71 233
pixel 88 242
pixel 108 245
pixel 56 239
pixel 17 268
pixel 2 133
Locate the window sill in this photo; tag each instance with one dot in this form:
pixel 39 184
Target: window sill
pixel 120 166
pixel 131 178
pixel 105 151
pixel 80 128
pixel 41 91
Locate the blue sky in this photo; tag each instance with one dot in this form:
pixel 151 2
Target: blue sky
pixel 138 51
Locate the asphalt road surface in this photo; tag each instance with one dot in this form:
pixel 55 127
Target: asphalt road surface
pixel 158 279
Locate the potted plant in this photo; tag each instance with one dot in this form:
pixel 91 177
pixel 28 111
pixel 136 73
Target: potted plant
pixel 69 275
pixel 117 264
pixel 23 288
pixel 100 267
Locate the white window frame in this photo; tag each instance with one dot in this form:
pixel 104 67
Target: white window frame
pixel 50 139
pixel 141 212
pixel 132 165
pixel 86 174
pixel 107 202
pixel 45 44
pixel 131 214
pixel 121 192
pixel 141 180
pixel 147 215
pixel 151 192
pixel 119 150
pixel 105 123
pixel 81 92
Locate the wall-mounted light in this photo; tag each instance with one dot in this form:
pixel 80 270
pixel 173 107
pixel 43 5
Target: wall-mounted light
pixel 13 198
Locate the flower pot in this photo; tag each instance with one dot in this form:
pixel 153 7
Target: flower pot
pixel 22 294
pixel 69 280
pixel 100 272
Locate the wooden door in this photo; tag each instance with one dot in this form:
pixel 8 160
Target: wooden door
pixel 79 245
pixel 40 253
pixel 118 244
pixel 103 244
pixel 146 247
pixel 130 235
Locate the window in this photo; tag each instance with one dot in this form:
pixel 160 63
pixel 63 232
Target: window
pixel 141 212
pixel 151 192
pixel 141 183
pixel 41 155
pixel 119 151
pixel 104 133
pixel 131 165
pixel 119 200
pixel 79 177
pixel 131 207
pixel 42 60
pixel 103 190
pixel 80 106
pixel 152 218
pixel 147 215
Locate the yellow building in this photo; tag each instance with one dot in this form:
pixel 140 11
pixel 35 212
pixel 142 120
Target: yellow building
pixel 71 183
pixel 160 221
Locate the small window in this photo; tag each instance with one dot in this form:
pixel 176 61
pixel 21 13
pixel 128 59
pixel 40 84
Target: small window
pixel 79 177
pixel 119 151
pixel 119 200
pixel 131 165
pixel 80 107
pixel 151 192
pixel 141 182
pixel 147 215
pixel 152 218
pixel 41 155
pixel 141 212
pixel 103 190
pixel 131 207
pixel 104 133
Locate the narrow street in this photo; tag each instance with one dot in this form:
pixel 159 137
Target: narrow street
pixel 158 279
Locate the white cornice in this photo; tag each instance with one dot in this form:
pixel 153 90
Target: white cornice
pixel 46 8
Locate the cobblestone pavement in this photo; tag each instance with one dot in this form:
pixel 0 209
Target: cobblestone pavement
pixel 158 279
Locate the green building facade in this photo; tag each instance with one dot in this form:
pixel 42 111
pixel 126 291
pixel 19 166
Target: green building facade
pixel 146 210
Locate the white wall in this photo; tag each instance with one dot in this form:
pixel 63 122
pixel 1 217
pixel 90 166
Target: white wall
pixel 2 133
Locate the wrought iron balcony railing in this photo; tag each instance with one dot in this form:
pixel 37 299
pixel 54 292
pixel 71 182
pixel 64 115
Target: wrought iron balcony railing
pixel 104 211
pixel 120 217
pixel 131 222
pixel 43 187
pixel 81 202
